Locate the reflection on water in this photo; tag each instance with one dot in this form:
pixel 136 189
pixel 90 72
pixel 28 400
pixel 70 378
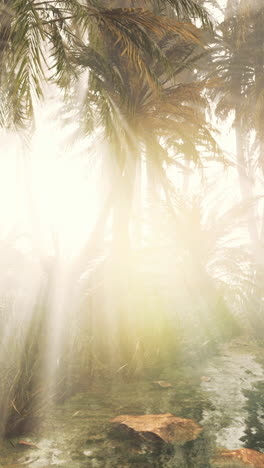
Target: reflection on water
pixel 226 396
pixel 231 376
pixel 78 433
pixel 254 432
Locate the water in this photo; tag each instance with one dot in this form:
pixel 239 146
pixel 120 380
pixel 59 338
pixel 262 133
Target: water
pixel 231 375
pixel 224 395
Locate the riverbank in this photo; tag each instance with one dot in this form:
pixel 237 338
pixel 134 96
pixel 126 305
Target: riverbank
pixel 223 394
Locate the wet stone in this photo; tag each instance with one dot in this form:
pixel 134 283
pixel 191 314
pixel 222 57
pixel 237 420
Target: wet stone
pixel 164 427
pixel 241 458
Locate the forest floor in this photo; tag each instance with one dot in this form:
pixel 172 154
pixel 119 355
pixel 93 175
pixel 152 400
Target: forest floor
pixel 223 393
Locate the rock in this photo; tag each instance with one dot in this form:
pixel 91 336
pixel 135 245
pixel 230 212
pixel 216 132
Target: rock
pixel 27 445
pixel 162 384
pixel 165 427
pixel 95 438
pixel 204 378
pixel 241 458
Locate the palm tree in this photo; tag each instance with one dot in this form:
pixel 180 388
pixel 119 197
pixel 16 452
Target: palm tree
pixel 238 61
pixel 149 126
pixel 214 264
pixel 47 41
pixel 39 37
pixel 163 122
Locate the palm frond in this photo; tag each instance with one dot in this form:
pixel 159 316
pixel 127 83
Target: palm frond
pixel 191 9
pixel 24 73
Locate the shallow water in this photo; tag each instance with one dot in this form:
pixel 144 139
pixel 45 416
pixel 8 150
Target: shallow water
pixel 225 395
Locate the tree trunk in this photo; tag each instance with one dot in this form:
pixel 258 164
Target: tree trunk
pixel 245 181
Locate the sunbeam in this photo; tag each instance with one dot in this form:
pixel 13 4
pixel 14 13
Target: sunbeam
pixel 131 233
